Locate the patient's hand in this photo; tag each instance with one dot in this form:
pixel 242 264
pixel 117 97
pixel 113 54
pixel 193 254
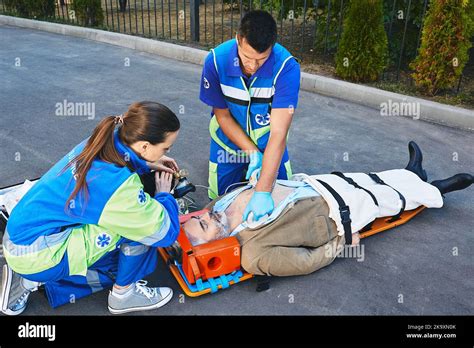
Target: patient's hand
pixel 163 181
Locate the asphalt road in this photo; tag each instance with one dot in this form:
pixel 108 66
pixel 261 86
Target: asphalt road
pixel 424 267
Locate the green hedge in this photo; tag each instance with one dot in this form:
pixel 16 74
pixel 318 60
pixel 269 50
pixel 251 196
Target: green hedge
pixel 445 44
pixel 31 8
pixel 89 12
pixel 362 52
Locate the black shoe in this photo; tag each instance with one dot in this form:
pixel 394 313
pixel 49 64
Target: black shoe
pixel 414 164
pixel 454 183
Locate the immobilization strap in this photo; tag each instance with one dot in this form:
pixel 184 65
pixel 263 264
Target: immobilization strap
pixel 356 185
pixel 344 211
pixel 379 181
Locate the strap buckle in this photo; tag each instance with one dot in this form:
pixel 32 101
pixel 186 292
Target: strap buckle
pixel 345 214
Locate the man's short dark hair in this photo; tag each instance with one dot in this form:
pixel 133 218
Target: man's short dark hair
pixel 259 29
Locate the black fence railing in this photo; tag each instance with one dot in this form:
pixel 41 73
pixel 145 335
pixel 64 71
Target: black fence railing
pixel 310 29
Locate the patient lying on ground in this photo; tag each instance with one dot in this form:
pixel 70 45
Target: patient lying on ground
pixel 305 229
pixel 215 225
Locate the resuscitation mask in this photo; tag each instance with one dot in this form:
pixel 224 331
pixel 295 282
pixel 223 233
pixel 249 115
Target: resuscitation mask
pixel 221 220
pixel 175 251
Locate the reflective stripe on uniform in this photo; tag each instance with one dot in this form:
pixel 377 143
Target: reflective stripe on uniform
pixel 256 134
pixel 40 243
pixel 215 62
pixel 263 92
pixel 25 259
pixel 133 250
pixel 289 171
pixel 76 253
pixel 92 277
pixel 213 187
pixel 281 68
pixel 213 127
pixel 235 95
pixel 161 232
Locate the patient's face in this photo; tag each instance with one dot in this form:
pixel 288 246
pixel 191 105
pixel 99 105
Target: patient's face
pixel 206 227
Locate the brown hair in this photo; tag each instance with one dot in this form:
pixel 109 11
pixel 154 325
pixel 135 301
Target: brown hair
pixel 143 121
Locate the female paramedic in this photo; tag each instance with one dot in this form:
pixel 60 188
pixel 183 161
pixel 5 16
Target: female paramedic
pixel 87 224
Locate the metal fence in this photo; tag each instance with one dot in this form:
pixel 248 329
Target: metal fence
pixel 311 30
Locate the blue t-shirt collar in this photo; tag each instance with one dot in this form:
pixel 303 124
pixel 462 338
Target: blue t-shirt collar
pixel 129 155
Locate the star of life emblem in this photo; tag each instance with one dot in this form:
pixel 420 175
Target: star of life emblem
pixel 102 240
pixel 262 120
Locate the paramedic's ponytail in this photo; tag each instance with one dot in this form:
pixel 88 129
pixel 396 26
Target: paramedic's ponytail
pixel 144 121
pixel 100 144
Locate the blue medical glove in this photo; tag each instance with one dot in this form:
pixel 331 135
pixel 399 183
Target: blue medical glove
pixel 260 204
pixel 255 163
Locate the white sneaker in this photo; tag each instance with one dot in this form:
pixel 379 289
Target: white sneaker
pixel 15 292
pixel 139 298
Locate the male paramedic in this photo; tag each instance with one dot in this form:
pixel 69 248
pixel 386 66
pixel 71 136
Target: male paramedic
pixel 252 84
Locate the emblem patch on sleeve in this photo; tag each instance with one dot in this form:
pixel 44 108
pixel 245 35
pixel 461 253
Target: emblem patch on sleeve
pixel 141 197
pixel 206 83
pixel 102 240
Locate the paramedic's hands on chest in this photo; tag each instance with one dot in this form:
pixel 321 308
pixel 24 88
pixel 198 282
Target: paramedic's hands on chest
pixel 261 202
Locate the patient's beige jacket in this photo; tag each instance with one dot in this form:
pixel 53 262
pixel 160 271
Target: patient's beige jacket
pixel 302 240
